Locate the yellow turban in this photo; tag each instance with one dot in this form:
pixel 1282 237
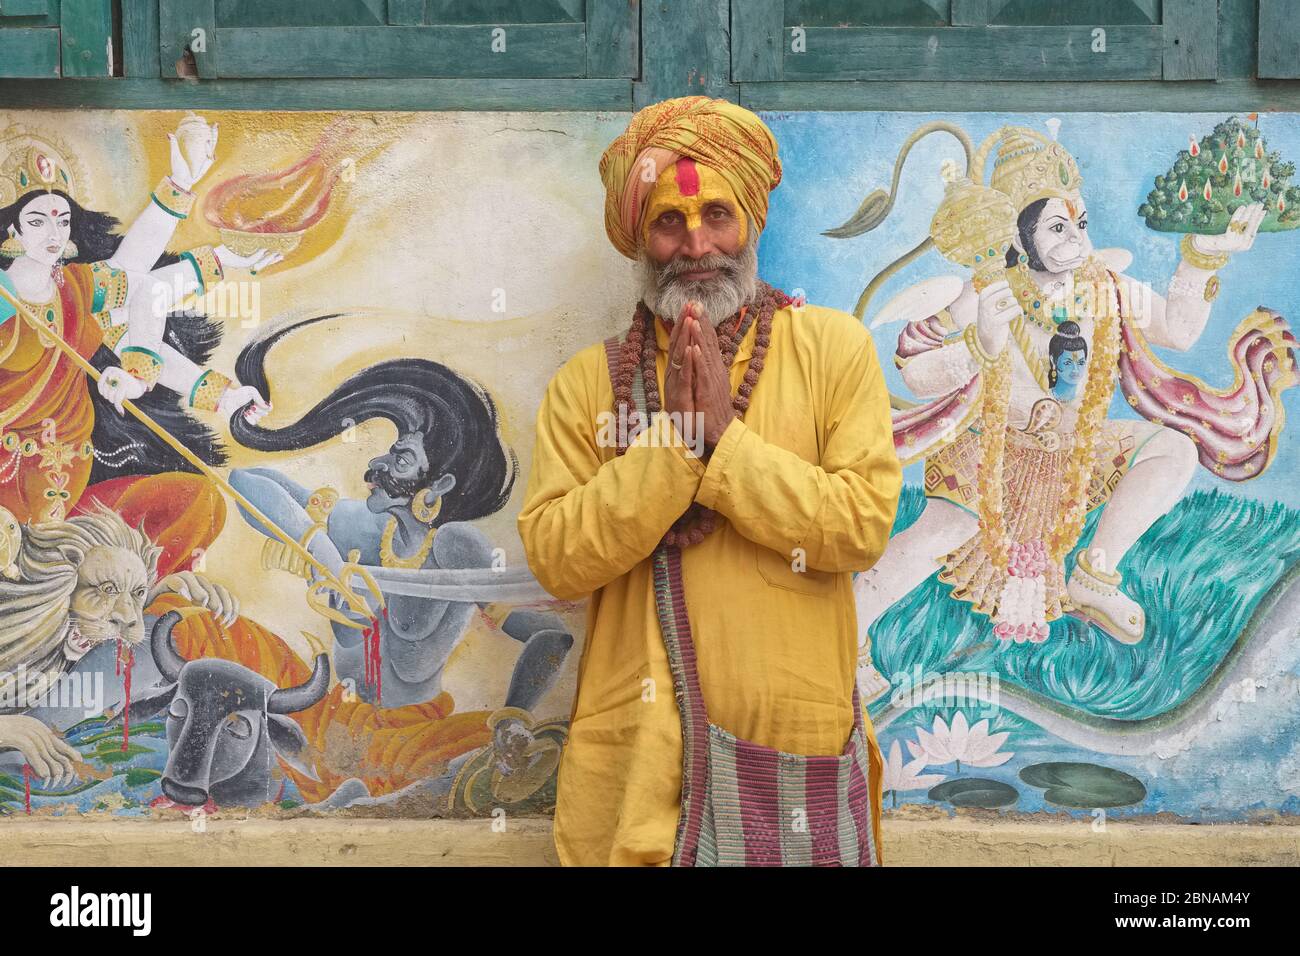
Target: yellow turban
pixel 715 133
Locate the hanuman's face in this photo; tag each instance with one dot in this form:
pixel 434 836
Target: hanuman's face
pixel 108 602
pixel 1061 236
pixel 43 227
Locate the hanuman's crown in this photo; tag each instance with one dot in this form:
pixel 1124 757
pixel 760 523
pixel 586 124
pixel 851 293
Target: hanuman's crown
pixel 1029 167
pixel 31 163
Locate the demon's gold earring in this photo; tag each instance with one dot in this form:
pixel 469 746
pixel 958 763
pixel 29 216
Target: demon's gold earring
pixel 423 511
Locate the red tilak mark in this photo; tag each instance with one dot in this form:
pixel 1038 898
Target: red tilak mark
pixel 373 657
pixel 125 658
pixel 688 177
pixel 27 788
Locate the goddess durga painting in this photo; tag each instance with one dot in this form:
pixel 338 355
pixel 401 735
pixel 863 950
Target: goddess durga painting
pixel 1016 368
pixel 110 294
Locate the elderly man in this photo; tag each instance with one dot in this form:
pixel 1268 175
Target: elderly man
pixel 716 541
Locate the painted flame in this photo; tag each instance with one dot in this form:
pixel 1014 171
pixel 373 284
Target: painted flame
pixel 288 200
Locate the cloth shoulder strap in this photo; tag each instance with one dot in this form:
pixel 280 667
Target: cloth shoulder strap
pixel 675 626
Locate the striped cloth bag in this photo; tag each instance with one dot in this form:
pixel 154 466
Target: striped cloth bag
pixel 744 804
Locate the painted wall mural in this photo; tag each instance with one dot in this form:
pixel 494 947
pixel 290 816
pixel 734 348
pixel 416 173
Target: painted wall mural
pixel 1089 601
pixel 267 384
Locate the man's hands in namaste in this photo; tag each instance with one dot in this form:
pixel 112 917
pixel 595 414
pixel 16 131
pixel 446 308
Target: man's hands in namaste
pixel 696 385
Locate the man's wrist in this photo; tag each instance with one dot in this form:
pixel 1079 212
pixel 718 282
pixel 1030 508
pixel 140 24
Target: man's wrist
pixel 711 440
pixel 710 490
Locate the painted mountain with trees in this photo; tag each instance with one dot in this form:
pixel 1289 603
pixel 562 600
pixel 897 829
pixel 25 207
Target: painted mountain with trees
pixel 1217 174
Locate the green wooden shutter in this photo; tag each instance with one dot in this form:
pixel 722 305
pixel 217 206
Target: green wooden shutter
pixel 533 39
pixel 1279 39
pixel 975 40
pixel 44 39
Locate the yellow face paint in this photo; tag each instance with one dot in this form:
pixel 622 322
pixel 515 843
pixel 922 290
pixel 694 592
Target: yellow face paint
pixel 688 187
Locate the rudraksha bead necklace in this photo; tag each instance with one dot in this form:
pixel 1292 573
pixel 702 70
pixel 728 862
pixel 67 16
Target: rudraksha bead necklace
pixel 639 351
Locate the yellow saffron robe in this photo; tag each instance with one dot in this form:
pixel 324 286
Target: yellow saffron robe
pixel 812 466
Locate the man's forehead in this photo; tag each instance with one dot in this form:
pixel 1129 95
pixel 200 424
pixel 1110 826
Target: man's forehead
pixel 688 180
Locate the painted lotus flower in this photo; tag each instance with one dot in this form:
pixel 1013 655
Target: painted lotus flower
pixel 899 777
pixel 961 743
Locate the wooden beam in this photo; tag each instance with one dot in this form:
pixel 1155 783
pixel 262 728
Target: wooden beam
pixel 613 38
pixel 1191 41
pixel 1224 96
pixel 605 95
pixel 526 50
pixel 29 52
pixel 976 53
pixel 758 37
pixel 140 38
pixel 86 37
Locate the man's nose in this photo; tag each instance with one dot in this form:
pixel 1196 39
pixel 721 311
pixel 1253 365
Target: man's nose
pixel 697 244
pixel 378 464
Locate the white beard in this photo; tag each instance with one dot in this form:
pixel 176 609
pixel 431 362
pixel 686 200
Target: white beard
pixel 721 297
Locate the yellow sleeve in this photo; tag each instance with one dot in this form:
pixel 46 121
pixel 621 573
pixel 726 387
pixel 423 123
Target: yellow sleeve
pixel 588 517
pixel 839 511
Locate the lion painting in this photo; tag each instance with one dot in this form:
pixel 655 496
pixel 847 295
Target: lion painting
pixel 76 584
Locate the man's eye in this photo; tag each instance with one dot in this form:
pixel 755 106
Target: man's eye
pixel 107 588
pixel 1058 228
pixel 140 593
pixel 1083 224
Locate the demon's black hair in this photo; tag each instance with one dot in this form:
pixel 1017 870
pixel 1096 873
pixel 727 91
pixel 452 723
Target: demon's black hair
pixel 456 417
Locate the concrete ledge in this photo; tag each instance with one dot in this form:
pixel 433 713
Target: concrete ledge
pixel 964 842
pixel 254 842
pixel 360 842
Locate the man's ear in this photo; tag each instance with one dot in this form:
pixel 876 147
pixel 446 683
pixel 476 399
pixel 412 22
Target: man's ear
pixel 443 485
